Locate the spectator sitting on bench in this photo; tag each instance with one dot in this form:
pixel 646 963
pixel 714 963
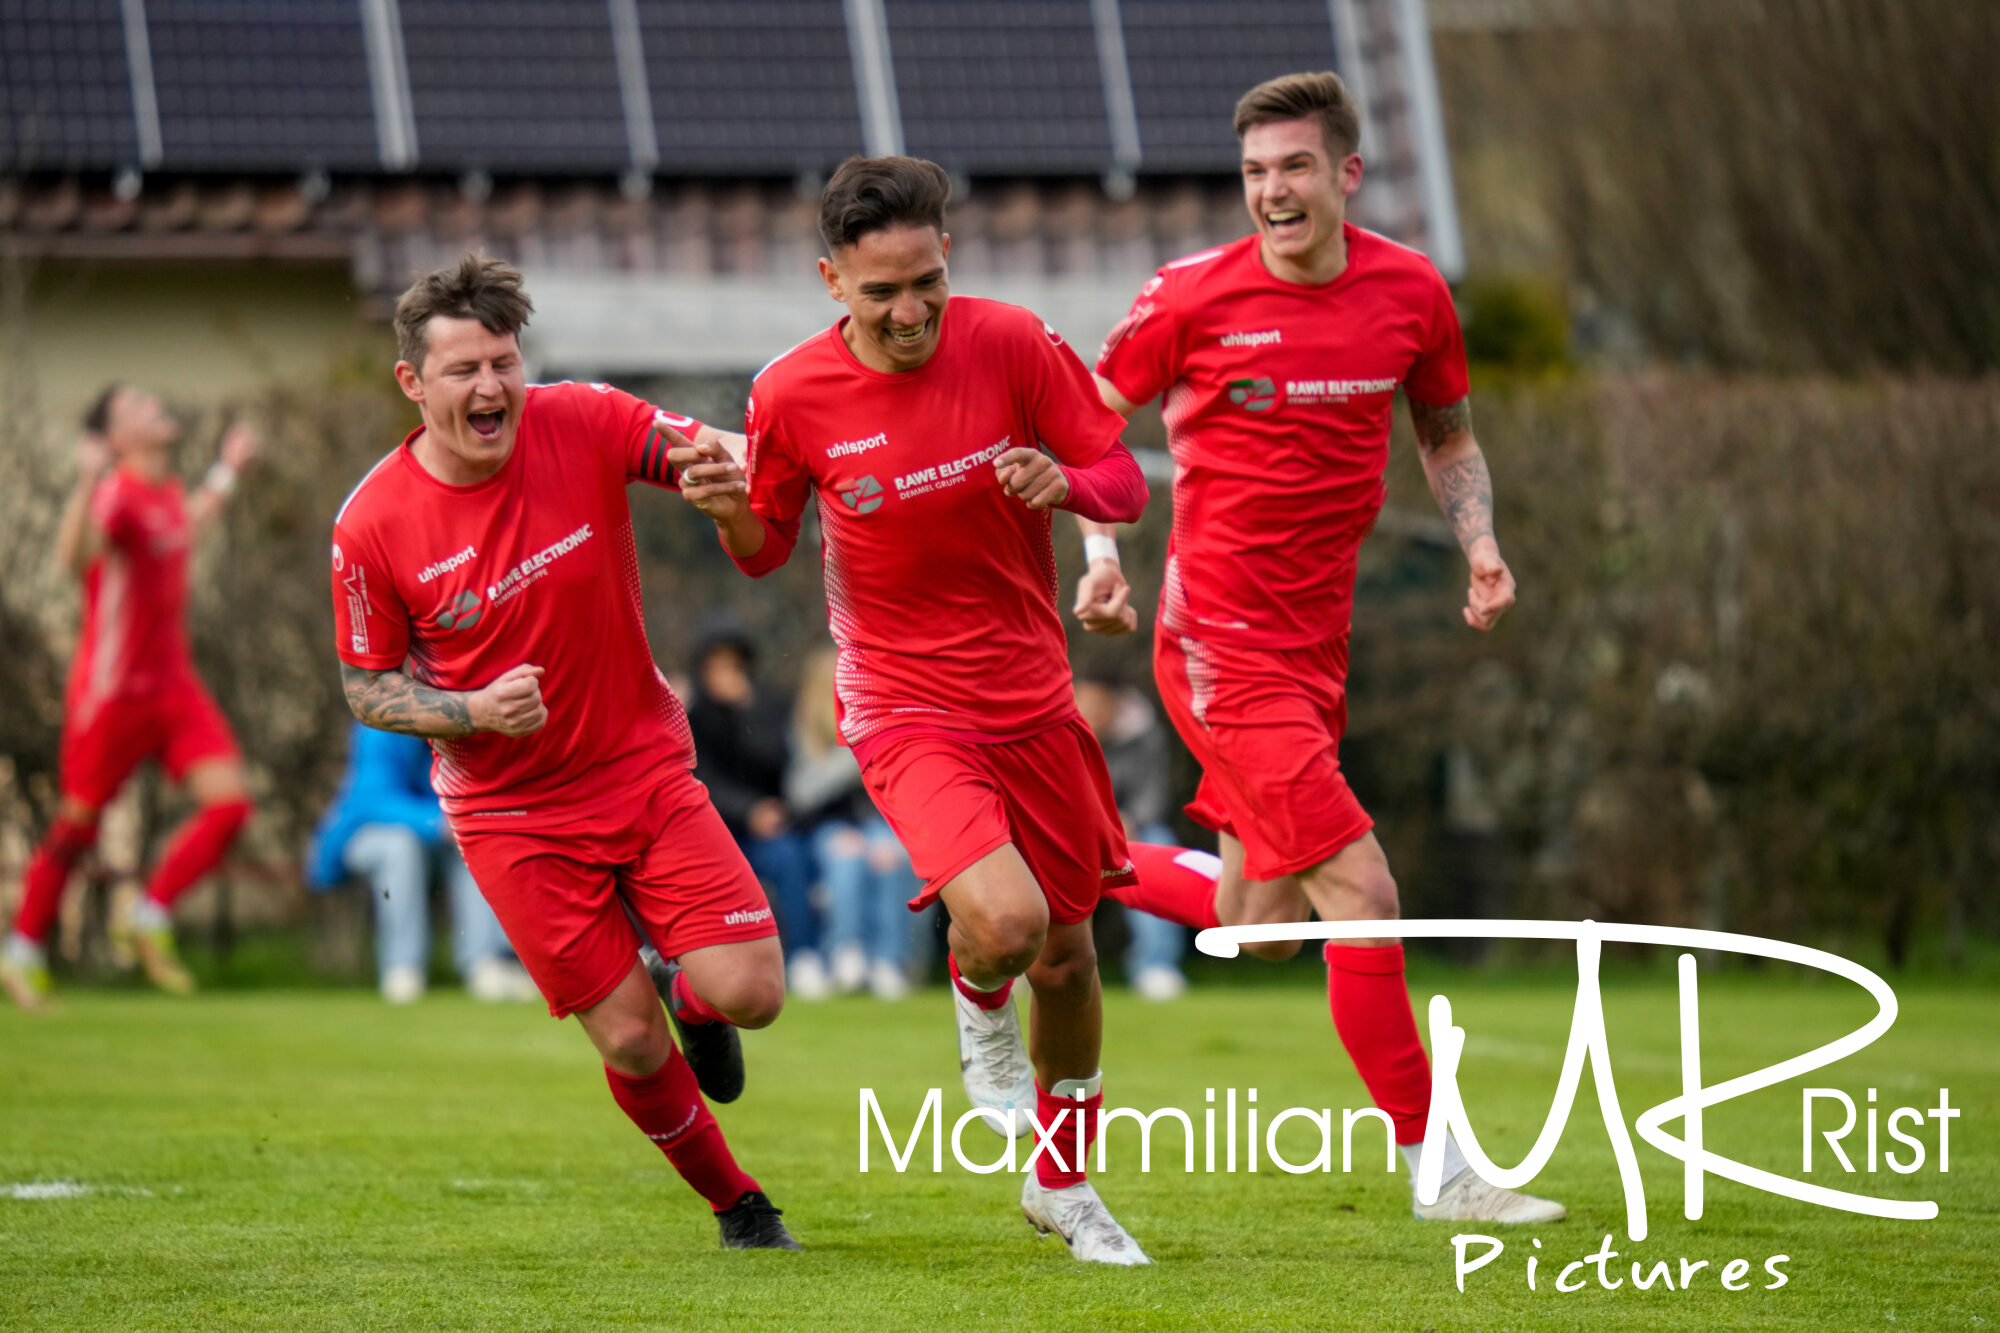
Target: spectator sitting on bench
pixel 385 825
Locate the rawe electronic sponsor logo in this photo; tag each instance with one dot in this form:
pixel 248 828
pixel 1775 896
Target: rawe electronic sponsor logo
pixel 1254 395
pixel 1470 1251
pixel 864 496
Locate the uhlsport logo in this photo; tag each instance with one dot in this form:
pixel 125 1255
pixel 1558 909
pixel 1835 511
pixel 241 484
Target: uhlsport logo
pixel 1254 395
pixel 462 612
pixel 864 496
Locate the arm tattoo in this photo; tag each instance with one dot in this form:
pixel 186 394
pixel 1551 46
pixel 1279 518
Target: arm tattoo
pixel 391 701
pixel 1435 424
pixel 1464 491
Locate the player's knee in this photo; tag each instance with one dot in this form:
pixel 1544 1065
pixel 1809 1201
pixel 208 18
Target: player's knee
pixel 1272 951
pixel 755 1003
pixel 632 1045
pixel 1067 962
pixel 1374 896
pixel 75 812
pixel 1007 942
pixel 234 811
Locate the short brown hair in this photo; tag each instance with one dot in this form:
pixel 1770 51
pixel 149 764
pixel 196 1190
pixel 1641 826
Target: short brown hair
pixel 869 194
pixel 1299 96
pixel 474 288
pixel 98 419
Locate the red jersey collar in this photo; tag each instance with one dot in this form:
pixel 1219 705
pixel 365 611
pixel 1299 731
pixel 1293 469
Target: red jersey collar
pixel 855 363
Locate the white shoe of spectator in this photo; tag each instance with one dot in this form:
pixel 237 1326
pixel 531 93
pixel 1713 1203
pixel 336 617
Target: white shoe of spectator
pixel 403 985
pixel 886 981
pixel 850 969
pixel 805 976
pixel 1159 984
pixel 497 981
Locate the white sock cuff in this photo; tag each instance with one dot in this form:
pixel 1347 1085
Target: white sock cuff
pixel 19 948
pixel 970 984
pixel 149 915
pixel 1454 1160
pixel 1068 1088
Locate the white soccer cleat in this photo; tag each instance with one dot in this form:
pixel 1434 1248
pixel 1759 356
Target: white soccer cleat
pixel 1081 1219
pixel 1467 1198
pixel 993 1061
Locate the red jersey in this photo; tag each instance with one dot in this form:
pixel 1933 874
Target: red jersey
pixel 535 564
pixel 940 587
pixel 1277 412
pixel 134 641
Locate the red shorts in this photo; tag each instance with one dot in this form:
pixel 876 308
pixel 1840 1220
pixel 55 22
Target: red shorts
pixel 952 801
pixel 561 894
pixel 1265 725
pixel 180 726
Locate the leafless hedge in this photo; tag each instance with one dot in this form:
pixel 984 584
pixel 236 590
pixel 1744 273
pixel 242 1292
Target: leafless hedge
pixel 1777 184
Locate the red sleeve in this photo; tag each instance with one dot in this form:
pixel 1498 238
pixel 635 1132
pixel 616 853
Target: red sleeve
pixel 779 485
pixel 1070 418
pixel 1111 490
pixel 112 511
pixel 371 622
pixel 641 430
pixel 1438 375
pixel 1141 354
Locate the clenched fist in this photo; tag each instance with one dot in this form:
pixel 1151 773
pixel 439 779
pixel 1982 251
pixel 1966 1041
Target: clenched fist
pixel 512 705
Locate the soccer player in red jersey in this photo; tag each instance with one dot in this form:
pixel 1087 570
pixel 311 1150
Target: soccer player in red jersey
pixel 133 693
pixel 1279 356
pixel 486 596
pixel 918 423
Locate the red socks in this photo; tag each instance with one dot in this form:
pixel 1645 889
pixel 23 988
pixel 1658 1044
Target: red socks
pixel 196 849
pixel 985 999
pixel 48 871
pixel 1049 1109
pixel 1371 1011
pixel 668 1109
pixel 1174 882
pixel 693 1009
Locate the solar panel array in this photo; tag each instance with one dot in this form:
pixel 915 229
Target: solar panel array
pixel 752 87
pixel 245 85
pixel 65 95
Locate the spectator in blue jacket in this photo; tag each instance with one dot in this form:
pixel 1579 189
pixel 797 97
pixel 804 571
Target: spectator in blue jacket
pixel 386 826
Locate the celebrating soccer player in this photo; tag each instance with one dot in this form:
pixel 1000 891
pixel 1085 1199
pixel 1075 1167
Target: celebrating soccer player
pixel 486 594
pixel 133 693
pixel 1280 355
pixel 918 422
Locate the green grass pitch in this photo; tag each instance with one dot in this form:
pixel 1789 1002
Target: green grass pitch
pixel 290 1160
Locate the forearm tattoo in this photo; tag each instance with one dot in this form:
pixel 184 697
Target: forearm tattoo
pixel 1463 487
pixel 1464 491
pixel 1435 424
pixel 391 701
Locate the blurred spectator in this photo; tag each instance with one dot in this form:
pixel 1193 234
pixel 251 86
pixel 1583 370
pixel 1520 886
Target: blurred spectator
pixel 865 872
pixel 385 824
pixel 742 746
pixel 1135 751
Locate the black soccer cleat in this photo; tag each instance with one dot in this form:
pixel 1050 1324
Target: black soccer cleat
pixel 751 1223
pixel 713 1050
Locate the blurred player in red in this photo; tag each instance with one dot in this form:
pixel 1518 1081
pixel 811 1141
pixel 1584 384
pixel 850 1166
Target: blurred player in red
pixel 1279 356
pixel 486 596
pixel 918 423
pixel 133 693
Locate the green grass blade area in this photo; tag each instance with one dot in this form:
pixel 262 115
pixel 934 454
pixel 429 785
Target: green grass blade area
pixel 274 1160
